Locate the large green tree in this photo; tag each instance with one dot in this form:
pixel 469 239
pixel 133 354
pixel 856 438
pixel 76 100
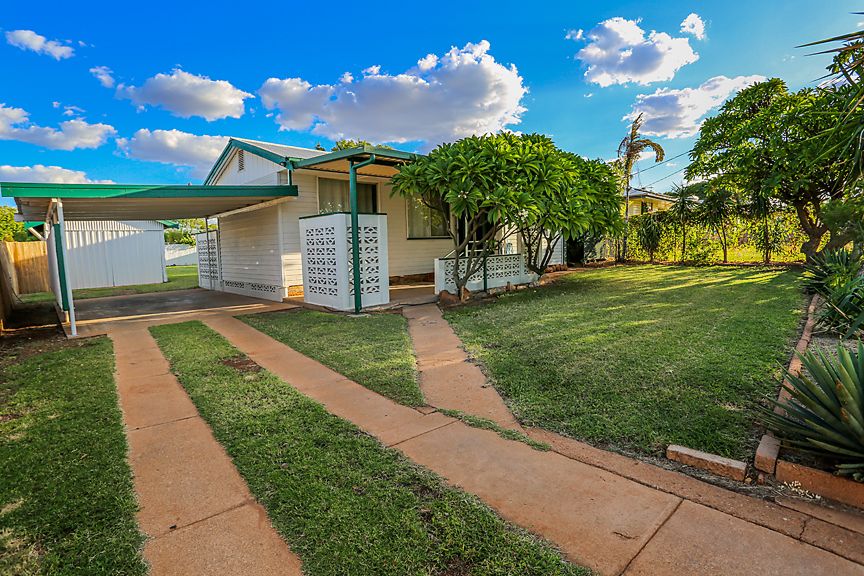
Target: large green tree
pixel 10 229
pixel 491 185
pixel 769 143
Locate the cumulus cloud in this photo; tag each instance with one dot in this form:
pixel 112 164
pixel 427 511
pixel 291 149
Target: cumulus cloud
pixel 15 125
pixel 679 113
pixel 104 74
pixel 186 95
pixel 619 52
pixel 463 92
pixel 50 174
pixel 30 40
pixel 694 25
pixel 174 147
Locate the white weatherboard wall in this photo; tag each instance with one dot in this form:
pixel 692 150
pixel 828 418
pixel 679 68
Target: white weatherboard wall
pixel 327 260
pixel 114 253
pixel 250 254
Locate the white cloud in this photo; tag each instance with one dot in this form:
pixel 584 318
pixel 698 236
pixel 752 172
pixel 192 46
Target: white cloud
pixel 575 34
pixel 104 74
pixel 463 92
pixel 679 113
pixel 619 52
pixel 186 95
pixel 15 125
pixel 51 174
pixel 694 25
pixel 174 147
pixel 30 40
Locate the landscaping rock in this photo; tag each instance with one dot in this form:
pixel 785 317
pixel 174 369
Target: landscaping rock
pixel 445 298
pixel 713 463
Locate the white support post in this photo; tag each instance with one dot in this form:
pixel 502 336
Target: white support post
pixel 62 238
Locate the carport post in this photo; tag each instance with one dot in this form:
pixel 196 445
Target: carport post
pixel 61 267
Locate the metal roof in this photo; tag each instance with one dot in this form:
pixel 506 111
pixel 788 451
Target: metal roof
pixel 136 202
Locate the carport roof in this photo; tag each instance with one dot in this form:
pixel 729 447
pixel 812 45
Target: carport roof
pixel 136 202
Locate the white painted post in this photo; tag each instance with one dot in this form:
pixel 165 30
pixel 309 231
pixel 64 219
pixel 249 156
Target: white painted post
pixel 60 220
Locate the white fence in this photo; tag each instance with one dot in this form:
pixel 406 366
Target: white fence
pixel 326 253
pixel 209 274
pixel 499 270
pixel 180 255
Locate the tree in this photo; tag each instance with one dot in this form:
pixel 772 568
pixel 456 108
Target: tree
pixel 492 185
pixel 762 142
pixel 717 210
pixel 683 213
pixel 10 230
pixel 629 151
pixel 347 144
pixel 650 233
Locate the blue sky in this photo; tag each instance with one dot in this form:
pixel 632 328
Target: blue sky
pixel 147 94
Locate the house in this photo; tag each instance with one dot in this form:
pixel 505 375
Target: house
pixel 644 201
pixel 259 250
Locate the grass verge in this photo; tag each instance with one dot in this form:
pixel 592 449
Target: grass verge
pixel 179 278
pixel 638 357
pixel 66 499
pixel 375 351
pixel 344 503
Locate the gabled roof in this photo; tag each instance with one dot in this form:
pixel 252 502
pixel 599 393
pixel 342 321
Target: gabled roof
pixel 294 157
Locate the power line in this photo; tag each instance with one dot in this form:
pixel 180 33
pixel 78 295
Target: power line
pixel 665 161
pixel 665 177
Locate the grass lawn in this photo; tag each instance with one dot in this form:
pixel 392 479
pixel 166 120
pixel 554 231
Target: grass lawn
pixel 639 357
pixel 179 278
pixel 374 351
pixel 66 500
pixel 343 502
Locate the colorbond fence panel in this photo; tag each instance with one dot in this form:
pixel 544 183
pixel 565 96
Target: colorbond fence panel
pixel 28 266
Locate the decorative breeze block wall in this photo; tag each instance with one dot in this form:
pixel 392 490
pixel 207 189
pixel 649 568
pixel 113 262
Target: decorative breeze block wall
pixel 207 245
pixel 501 269
pixel 327 256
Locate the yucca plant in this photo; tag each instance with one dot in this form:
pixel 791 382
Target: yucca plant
pixel 843 309
pixel 831 270
pixel 825 414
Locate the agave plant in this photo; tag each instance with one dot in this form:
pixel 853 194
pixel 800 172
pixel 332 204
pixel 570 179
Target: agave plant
pixel 843 310
pixel 825 413
pixel 830 270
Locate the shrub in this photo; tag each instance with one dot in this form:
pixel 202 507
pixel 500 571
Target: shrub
pixel 836 276
pixel 825 414
pixel 830 270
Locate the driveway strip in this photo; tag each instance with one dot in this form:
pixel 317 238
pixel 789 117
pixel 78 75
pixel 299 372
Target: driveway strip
pixel 193 504
pixel 597 518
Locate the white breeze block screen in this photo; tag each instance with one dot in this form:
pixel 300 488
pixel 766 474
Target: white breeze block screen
pixel 501 269
pixel 327 260
pixel 207 244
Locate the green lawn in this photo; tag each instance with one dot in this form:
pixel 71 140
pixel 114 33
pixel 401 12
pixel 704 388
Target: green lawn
pixel 66 500
pixel 179 278
pixel 343 502
pixel 374 351
pixel 639 357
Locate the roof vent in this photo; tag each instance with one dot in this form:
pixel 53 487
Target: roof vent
pixel 241 160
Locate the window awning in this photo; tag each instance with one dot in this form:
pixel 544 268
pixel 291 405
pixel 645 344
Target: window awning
pixel 137 202
pixel 386 162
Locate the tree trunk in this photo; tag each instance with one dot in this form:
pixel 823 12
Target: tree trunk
pixel 766 244
pixel 683 242
pixel 724 245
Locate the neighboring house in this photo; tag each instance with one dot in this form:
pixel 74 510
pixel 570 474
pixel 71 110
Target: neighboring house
pixel 104 253
pixel 644 201
pixel 259 249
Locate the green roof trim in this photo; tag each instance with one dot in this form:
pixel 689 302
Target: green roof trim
pixel 388 155
pixel 47 190
pixel 169 223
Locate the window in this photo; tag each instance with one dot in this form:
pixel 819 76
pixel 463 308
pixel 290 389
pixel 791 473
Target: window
pixel 424 222
pixel 333 196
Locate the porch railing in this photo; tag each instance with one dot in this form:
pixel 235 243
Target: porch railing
pixel 499 270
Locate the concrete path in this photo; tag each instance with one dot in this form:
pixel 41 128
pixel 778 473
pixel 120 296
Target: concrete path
pixel 194 506
pixel 447 378
pixel 599 518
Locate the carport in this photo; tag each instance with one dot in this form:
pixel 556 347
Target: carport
pixel 56 203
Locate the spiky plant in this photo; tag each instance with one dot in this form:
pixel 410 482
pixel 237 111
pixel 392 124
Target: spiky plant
pixel 831 269
pixel 825 413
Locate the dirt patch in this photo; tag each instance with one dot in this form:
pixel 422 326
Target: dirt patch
pixel 242 363
pixel 8 417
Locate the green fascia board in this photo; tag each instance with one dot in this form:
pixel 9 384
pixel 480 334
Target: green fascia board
pixel 33 224
pixel 241 145
pixel 379 153
pixel 103 191
pixel 169 223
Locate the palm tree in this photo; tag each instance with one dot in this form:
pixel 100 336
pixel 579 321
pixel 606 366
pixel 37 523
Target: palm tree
pixel 683 212
pixel 629 151
pixel 717 211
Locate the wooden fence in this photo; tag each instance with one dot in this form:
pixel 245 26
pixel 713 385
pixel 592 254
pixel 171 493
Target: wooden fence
pixel 27 266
